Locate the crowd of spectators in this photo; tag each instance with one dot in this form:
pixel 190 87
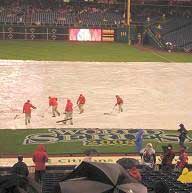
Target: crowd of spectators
pixel 60 12
pixel 168 163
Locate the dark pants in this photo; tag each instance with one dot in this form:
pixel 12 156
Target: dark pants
pixel 39 174
pixel 182 140
pixel 167 167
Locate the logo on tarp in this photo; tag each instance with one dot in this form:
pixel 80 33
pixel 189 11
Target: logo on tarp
pixel 96 137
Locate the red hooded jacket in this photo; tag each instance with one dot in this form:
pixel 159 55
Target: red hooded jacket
pixel 27 107
pixel 40 157
pixel 119 101
pixel 81 100
pixel 53 101
pixel 69 106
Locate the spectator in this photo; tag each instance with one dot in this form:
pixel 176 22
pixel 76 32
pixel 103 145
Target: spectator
pixel 183 158
pixel 89 155
pixel 139 140
pixel 159 27
pixel 20 168
pixel 169 46
pixel 167 158
pixel 163 17
pixel 130 165
pixel 40 157
pixel 134 172
pixel 148 156
pixel 182 134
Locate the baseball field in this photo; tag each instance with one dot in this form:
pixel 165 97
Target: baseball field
pixel 157 95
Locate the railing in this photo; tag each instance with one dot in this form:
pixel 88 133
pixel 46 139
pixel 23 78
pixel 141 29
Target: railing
pixel 156 40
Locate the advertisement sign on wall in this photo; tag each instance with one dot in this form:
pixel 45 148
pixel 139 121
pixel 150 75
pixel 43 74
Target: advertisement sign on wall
pixel 85 35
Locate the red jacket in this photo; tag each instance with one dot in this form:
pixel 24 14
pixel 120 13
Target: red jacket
pixel 27 107
pixel 81 100
pixel 53 101
pixel 69 106
pixel 134 172
pixel 40 157
pixel 183 160
pixel 119 101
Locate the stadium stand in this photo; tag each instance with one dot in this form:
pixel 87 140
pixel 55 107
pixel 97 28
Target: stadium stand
pixel 10 17
pixel 96 15
pixel 160 21
pixel 179 37
pixel 177 30
pixel 87 18
pixel 171 25
pixel 149 179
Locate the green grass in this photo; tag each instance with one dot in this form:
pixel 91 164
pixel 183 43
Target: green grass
pixel 86 51
pixel 11 142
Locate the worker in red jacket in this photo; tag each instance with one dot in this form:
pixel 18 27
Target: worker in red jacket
pixel 69 112
pixel 81 103
pixel 119 103
pixel 27 110
pixel 40 157
pixel 54 104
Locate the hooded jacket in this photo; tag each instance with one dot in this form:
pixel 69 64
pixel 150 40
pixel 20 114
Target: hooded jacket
pixel 40 157
pixel 27 107
pixel 69 106
pixel 134 172
pixel 53 101
pixel 119 100
pixel 81 100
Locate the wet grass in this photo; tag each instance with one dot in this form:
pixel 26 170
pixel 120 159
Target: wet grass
pixel 84 51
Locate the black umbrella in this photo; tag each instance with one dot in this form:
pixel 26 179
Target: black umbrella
pixel 128 163
pixel 91 177
pixel 11 183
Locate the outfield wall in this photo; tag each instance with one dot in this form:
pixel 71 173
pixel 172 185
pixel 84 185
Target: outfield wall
pixel 102 34
pixel 76 160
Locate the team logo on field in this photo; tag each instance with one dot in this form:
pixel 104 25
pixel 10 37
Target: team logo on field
pixel 96 137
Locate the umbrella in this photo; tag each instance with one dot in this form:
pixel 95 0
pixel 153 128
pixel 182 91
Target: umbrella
pixel 10 183
pixel 128 163
pixel 92 177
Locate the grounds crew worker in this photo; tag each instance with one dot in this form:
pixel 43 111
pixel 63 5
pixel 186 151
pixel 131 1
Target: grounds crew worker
pixel 69 112
pixel 54 104
pixel 119 103
pixel 81 103
pixel 27 110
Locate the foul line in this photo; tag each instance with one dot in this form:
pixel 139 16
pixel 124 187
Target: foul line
pixel 162 57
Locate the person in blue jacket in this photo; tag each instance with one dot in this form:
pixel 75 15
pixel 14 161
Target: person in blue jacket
pixel 139 140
